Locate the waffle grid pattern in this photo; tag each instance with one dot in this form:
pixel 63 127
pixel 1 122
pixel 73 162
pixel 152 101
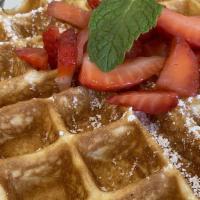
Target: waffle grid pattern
pixel 70 145
pixel 117 161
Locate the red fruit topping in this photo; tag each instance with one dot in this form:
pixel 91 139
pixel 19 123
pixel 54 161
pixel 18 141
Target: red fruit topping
pixel 93 3
pixel 124 76
pixel 82 39
pixel 69 13
pixel 36 57
pixel 149 44
pixel 135 51
pixel 156 47
pixel 67 54
pixel 50 39
pixel 181 73
pixel 151 102
pixel 177 24
pixel 197 53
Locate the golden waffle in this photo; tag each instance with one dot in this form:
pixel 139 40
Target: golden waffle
pixel 71 145
pixel 189 7
pixel 182 130
pixel 112 157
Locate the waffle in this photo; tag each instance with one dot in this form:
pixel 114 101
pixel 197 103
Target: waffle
pixel 72 145
pixel 189 7
pixel 183 122
pixel 112 157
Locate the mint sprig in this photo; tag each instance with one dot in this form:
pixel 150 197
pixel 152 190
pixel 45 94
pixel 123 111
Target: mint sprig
pixel 113 27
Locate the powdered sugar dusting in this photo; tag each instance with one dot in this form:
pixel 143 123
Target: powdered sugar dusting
pixel 95 121
pixel 187 111
pixel 7 24
pixel 31 13
pixel 195 184
pixel 33 77
pixel 163 142
pixel 95 103
pixel 131 116
pixel 61 133
pixel 8 21
pixel 170 153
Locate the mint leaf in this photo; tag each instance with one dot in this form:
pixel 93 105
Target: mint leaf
pixel 113 27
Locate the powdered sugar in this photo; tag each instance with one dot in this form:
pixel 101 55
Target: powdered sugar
pixel 33 77
pixel 95 103
pixel 7 24
pixel 195 184
pixel 8 21
pixel 188 112
pixel 169 152
pixel 131 118
pixel 95 121
pixel 31 13
pixel 61 133
pixel 75 102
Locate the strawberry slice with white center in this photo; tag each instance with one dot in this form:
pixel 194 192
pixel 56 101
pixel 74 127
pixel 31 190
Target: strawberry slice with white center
pixel 151 102
pixel 123 76
pixel 181 73
pixel 187 27
pixel 36 57
pixel 69 13
pixel 50 39
pixel 67 58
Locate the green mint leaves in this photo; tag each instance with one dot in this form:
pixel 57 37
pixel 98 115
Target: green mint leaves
pixel 113 27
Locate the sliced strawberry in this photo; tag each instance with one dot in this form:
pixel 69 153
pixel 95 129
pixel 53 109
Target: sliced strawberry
pixel 148 35
pixel 93 3
pixel 124 76
pixel 177 24
pixel 50 39
pixel 180 73
pixel 81 40
pixel 151 102
pixel 197 53
pixel 135 51
pixel 69 13
pixel 37 57
pixel 149 44
pixel 67 55
pixel 156 47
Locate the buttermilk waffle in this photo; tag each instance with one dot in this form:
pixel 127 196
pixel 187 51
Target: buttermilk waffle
pixel 72 144
pixel 112 157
